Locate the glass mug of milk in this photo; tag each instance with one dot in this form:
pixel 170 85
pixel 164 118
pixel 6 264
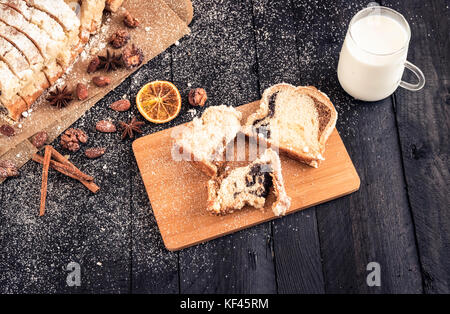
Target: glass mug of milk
pixel 373 56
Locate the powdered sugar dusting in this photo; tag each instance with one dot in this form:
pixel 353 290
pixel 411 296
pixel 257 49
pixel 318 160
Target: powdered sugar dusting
pixel 234 59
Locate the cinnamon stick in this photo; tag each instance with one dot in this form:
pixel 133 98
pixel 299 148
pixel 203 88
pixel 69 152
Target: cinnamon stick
pixel 59 157
pixel 68 171
pixel 46 164
pixel 63 167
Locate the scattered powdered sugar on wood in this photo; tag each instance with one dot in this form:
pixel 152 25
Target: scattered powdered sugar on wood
pixel 223 54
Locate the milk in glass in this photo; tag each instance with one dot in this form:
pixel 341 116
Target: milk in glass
pixel 373 57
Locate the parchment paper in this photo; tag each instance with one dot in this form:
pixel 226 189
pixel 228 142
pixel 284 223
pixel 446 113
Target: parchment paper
pixel 160 27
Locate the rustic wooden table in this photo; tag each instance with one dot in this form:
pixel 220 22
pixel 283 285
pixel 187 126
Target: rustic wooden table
pixel 400 146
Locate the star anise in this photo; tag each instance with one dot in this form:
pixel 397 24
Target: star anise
pixel 129 128
pixel 110 62
pixel 60 97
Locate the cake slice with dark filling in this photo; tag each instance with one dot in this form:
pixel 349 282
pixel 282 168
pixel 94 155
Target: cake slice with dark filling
pixel 297 120
pixel 232 189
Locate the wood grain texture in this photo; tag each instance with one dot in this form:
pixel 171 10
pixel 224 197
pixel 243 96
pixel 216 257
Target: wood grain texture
pixel 80 227
pixel 423 120
pixel 373 224
pixel 153 268
pixel 235 50
pixel 220 56
pixel 103 240
pixel 294 238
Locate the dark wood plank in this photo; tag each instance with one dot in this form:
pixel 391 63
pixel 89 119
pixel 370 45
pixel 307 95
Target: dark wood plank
pixel 374 224
pixel 295 237
pixel 154 268
pixel 105 220
pixel 220 56
pixel 424 121
pixel 92 230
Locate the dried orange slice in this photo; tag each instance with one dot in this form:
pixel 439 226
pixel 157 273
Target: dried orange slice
pixel 159 101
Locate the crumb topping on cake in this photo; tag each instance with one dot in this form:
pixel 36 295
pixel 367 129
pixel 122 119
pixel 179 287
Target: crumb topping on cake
pixel 206 137
pixel 233 189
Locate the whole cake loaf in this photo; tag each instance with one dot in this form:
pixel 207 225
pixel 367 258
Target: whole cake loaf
pixel 39 40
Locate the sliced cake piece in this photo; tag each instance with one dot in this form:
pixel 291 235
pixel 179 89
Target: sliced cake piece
pixel 297 120
pixel 24 44
pixel 48 35
pixel 30 83
pixel 67 14
pixel 12 108
pixel 231 190
pixel 60 11
pixel 32 86
pixel 204 139
pixel 88 12
pixel 24 48
pixel 15 60
pixel 32 54
pixel 47 24
pixel 37 17
pixel 9 87
pixel 49 48
pixel 9 83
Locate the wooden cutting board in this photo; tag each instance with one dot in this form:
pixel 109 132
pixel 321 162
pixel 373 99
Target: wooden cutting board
pixel 177 190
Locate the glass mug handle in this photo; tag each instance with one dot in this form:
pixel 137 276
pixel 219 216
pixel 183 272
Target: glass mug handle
pixel 418 73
